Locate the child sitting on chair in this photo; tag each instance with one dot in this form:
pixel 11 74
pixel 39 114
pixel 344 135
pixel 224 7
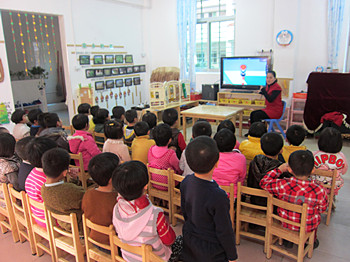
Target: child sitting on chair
pixel 33 118
pixel 136 220
pixel 151 120
pixel 207 232
pixel 25 167
pixel 298 189
pixel 329 157
pixel 102 116
pixel 229 125
pixel 129 133
pixel 295 136
pixel 142 143
pixel 251 147
pixel 93 112
pixel 160 156
pixel 118 113
pixel 232 166
pixel 21 129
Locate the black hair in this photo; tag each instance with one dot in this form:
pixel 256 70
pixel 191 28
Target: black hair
pixel 257 129
pixel 21 145
pixel 201 128
pixel 130 115
pixel 7 145
pixel 301 162
pixel 4 130
pixel 36 148
pixel 41 121
pixel 93 110
pixel 113 129
pixel 330 140
pixel 101 167
pixel 271 143
pixel 101 116
pixel 17 116
pixel 226 124
pixel 33 114
pixel 84 108
pixel 272 73
pixel 162 134
pixel 296 135
pixel 129 179
pixel 80 121
pixel 202 154
pixel 225 140
pixel 51 119
pixel 117 112
pixel 55 161
pixel 150 118
pixel 170 116
pixel 141 128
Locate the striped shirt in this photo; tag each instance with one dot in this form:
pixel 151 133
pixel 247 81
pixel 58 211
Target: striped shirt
pixel 33 184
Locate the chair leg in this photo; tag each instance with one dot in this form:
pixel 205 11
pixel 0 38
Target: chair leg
pixel 281 129
pixel 300 252
pixel 311 243
pixel 268 246
pixel 238 229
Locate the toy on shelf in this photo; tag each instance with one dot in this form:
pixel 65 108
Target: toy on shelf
pixel 185 90
pixel 169 92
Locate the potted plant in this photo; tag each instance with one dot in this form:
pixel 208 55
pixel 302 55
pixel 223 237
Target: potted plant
pixel 38 72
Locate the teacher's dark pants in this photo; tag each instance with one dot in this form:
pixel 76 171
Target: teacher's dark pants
pixel 257 116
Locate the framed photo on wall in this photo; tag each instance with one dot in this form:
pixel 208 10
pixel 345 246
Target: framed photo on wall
pixel 84 60
pixel 115 71
pixel 119 59
pixel 136 69
pixel 119 83
pixel 122 70
pixel 107 71
pixel 109 59
pixel 90 73
pixel 109 83
pixel 128 59
pixel 98 72
pixel 128 81
pixel 129 70
pixel 99 85
pixel 137 81
pixel 98 60
pixel 142 68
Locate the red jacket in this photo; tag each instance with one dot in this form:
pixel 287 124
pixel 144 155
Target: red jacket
pixel 274 109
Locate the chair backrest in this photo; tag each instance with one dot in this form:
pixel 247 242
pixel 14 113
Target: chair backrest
pixel 90 244
pixel 82 175
pixel 230 191
pixel 32 216
pixel 7 217
pixel 175 195
pixel 153 184
pixel 284 109
pixel 63 239
pixel 98 141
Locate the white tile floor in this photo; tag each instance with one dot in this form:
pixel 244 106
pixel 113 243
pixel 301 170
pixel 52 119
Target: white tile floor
pixel 334 239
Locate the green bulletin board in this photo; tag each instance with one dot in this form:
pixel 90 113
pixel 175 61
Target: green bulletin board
pixel 4 119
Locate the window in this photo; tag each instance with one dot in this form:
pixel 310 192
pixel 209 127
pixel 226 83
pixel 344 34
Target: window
pixel 214 33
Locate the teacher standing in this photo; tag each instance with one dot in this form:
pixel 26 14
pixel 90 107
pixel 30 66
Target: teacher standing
pixel 273 100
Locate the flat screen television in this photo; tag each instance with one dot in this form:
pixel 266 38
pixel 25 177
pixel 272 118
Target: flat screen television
pixel 244 72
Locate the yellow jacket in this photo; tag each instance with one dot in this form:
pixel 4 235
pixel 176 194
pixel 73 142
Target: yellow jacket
pixel 287 150
pixel 251 147
pixel 139 148
pixel 91 125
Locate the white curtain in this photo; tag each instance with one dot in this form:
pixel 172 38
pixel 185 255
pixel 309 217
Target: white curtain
pixel 335 22
pixel 186 26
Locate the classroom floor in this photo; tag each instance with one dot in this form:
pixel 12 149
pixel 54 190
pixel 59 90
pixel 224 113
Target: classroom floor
pixel 334 239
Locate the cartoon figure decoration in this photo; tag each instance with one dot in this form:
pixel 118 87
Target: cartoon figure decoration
pixel 111 94
pixel 116 98
pixel 96 99
pixel 107 100
pixel 243 74
pixel 128 91
pixel 124 98
pixel 102 98
pixel 120 93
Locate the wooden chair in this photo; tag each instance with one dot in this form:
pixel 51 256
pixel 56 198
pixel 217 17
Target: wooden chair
pixel 231 192
pixel 155 192
pixel 144 251
pixel 82 175
pixel 250 213
pixel 21 214
pixel 175 199
pixel 246 177
pixel 40 233
pixel 7 217
pixel 331 187
pixel 64 240
pixel 274 228
pixel 69 129
pixel 98 142
pixel 92 252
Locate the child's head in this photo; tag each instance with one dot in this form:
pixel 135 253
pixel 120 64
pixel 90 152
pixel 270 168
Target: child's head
pixel 101 167
pixel 201 128
pixel 150 118
pixel 170 116
pixel 84 108
pixel 113 129
pixel 271 143
pixel 130 179
pixel 131 116
pixel 295 135
pixel 301 163
pixel 226 124
pixel 330 140
pixel 80 122
pixel 225 140
pixel 33 115
pixel 52 120
pixel 4 130
pixel 162 134
pixel 93 110
pixel 101 116
pixel 55 162
pixel 7 145
pixel 41 121
pixel 21 145
pixel 36 148
pixel 141 128
pixel 202 154
pixel 257 129
pixel 118 113
pixel 19 116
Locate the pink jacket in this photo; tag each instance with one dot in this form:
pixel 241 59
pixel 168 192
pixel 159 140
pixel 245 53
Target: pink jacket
pixel 232 168
pixel 82 141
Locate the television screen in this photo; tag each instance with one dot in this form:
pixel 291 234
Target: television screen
pixel 243 72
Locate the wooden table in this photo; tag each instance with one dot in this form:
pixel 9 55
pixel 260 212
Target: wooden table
pixel 213 113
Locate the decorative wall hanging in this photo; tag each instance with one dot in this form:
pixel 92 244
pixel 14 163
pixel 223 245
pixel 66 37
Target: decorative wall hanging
pixel 22 44
pixel 284 38
pixel 29 40
pixel 13 37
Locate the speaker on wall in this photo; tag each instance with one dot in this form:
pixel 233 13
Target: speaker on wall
pixel 210 92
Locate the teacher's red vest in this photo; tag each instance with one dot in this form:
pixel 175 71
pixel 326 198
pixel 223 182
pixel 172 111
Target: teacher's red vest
pixel 275 109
